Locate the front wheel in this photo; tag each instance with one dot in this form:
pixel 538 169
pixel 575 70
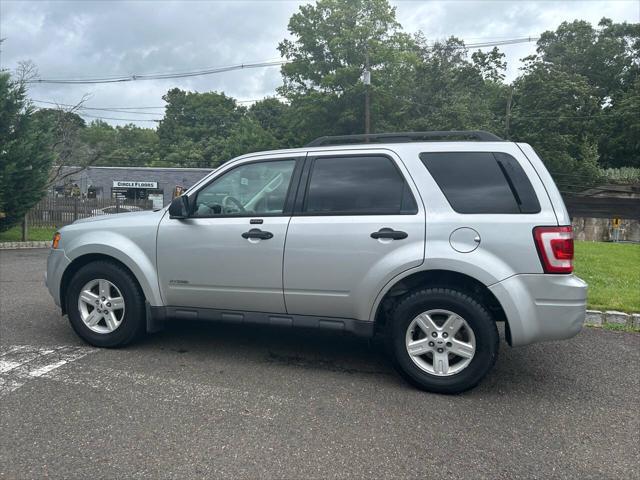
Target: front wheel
pixel 442 340
pixel 106 307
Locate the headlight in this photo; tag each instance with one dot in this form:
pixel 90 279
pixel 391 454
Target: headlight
pixel 56 240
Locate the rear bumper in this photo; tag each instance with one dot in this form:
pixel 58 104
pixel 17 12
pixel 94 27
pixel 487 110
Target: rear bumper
pixel 57 262
pixel 542 307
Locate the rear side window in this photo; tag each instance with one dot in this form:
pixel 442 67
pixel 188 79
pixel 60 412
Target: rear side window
pixel 482 182
pixel 362 185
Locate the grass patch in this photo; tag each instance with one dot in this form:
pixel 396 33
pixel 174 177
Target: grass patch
pixel 620 328
pixel 612 271
pixel 14 234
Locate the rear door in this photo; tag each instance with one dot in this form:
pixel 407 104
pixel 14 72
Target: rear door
pixel 358 221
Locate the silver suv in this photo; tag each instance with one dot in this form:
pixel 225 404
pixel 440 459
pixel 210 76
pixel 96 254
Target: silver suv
pixel 428 239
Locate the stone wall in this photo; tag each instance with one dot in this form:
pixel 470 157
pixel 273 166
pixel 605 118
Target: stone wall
pixel 601 229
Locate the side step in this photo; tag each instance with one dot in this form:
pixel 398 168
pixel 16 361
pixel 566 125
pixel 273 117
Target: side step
pixel 158 316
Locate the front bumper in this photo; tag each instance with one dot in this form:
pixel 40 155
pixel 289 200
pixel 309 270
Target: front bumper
pixel 57 262
pixel 542 307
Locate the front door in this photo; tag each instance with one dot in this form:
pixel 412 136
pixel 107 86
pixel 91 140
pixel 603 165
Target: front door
pixel 358 223
pixel 228 253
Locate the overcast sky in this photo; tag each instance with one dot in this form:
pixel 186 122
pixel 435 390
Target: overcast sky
pixel 74 39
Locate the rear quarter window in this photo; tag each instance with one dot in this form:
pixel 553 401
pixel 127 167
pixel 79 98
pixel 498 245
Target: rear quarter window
pixel 482 182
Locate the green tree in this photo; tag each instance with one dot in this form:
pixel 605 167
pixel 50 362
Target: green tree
pixel 56 119
pixel 333 40
pixel 246 136
pixel 491 65
pixel 606 56
pixel 194 123
pixel 134 146
pixel 619 126
pixel 554 111
pixel 99 142
pixel 25 153
pixel 332 43
pixel 275 117
pixel 63 128
pixel 450 92
pixel 185 154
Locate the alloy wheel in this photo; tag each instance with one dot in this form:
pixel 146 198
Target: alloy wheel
pixel 440 342
pixel 101 306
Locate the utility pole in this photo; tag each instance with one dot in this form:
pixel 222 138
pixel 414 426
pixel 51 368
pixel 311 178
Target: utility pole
pixel 507 118
pixel 366 79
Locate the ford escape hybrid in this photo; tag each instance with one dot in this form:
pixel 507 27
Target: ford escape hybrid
pixel 428 239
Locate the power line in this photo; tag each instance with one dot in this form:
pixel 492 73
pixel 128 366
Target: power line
pixel 157 120
pixel 94 108
pixel 80 111
pixel 130 109
pixel 160 76
pixel 228 68
pixel 82 114
pixel 121 119
pixel 134 112
pixel 498 43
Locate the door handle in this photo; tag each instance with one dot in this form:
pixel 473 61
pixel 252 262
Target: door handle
pixel 389 233
pixel 257 233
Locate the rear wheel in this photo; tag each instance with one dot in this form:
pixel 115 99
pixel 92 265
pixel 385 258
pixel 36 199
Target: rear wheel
pixel 443 340
pixel 105 305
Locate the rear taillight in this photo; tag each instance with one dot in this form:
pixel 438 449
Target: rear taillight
pixel 555 248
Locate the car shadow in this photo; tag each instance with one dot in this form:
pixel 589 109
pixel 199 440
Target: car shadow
pixel 516 370
pixel 296 348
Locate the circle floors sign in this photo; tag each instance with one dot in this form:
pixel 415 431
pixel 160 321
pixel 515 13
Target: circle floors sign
pixel 134 184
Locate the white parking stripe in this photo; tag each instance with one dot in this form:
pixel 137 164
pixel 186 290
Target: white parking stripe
pixel 6 350
pixel 38 372
pixel 21 363
pixel 5 365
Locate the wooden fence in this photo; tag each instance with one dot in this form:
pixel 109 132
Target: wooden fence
pixel 55 212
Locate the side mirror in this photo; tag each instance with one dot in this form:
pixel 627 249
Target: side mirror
pixel 179 207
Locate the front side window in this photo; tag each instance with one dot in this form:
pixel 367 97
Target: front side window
pixel 482 182
pixel 363 185
pixel 252 189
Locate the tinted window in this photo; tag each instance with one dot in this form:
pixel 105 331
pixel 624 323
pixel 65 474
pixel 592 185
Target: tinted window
pixel 482 182
pixel 359 186
pixel 252 189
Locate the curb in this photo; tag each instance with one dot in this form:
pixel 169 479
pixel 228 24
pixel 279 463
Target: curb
pixel 17 245
pixel 596 318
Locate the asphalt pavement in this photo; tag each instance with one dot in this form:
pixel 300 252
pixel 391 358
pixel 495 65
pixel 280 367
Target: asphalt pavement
pixel 202 400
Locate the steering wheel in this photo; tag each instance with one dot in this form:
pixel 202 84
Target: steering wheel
pixel 235 201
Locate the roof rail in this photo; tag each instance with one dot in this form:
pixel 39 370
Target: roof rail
pixel 405 137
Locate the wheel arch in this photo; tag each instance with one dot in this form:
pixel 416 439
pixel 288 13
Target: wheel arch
pixel 80 262
pixel 437 278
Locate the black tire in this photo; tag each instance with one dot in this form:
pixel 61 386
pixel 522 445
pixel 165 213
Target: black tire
pixel 134 319
pixel 476 316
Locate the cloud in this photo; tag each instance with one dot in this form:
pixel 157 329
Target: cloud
pixel 496 20
pixel 106 38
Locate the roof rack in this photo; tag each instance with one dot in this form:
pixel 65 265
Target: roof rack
pixel 405 137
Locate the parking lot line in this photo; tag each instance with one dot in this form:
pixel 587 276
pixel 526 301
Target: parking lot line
pixel 21 363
